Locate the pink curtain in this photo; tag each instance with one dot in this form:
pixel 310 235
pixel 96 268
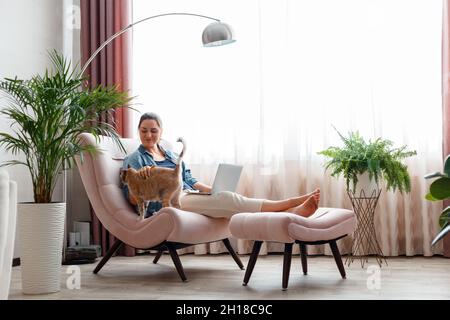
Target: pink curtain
pixel 100 19
pixel 446 96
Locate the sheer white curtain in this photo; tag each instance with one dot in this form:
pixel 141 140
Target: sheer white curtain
pixel 298 67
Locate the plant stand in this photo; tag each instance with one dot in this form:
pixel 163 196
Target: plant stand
pixel 365 241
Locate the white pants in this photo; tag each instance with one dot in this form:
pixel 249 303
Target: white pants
pixel 221 205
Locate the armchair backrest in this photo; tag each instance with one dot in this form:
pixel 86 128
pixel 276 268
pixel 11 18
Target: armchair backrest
pixel 100 176
pixel 110 159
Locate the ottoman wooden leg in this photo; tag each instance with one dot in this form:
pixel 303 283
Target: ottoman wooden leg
pixel 337 258
pixel 287 264
pixel 252 261
pixel 304 253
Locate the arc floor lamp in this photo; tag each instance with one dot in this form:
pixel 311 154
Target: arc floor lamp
pixel 215 34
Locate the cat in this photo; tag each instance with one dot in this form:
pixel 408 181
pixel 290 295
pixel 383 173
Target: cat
pixel 163 184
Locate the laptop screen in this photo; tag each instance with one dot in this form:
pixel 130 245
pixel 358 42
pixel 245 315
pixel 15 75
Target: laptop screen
pixel 227 178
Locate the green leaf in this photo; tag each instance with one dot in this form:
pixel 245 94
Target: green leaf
pixel 435 175
pixel 441 235
pixel 13 163
pixel 444 219
pixel 447 166
pixel 440 189
pixel 430 197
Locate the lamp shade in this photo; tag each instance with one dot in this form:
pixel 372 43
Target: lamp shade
pixel 217 34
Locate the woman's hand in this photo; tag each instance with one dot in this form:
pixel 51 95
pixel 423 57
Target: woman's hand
pixel 202 187
pixel 144 172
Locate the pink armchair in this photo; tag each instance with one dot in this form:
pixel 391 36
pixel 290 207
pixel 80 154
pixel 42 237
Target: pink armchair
pixel 170 229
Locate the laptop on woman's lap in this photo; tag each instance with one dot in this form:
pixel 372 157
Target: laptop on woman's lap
pixel 227 179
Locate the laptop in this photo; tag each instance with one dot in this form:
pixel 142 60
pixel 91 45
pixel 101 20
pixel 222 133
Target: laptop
pixel 227 178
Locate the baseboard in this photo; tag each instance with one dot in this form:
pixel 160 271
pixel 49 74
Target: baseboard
pixel 16 262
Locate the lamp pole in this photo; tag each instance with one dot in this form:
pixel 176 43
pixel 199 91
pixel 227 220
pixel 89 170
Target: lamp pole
pixel 215 34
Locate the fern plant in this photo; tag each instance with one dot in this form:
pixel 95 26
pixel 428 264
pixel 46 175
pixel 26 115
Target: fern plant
pixel 48 112
pixel 378 158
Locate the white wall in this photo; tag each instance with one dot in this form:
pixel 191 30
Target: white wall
pixel 28 29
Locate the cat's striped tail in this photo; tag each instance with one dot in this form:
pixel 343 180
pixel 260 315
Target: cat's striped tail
pixel 180 157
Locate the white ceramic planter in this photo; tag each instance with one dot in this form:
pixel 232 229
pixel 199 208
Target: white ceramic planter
pixel 365 187
pixel 41 232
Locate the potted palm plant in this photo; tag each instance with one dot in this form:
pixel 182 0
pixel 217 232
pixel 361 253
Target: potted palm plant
pixel 440 190
pixel 48 112
pixel 370 162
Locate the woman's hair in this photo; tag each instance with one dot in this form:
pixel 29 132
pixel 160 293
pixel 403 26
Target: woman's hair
pixel 150 116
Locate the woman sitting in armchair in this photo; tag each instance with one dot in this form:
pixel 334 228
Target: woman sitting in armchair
pixel 221 204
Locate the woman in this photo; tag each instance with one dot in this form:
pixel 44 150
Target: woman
pixel 222 204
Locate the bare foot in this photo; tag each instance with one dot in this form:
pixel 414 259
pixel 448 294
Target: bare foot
pixel 316 194
pixel 307 208
pixel 298 201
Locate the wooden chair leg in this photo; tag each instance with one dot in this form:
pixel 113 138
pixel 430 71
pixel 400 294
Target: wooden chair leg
pixel 176 261
pixel 304 253
pixel 252 261
pixel 287 264
pixel 337 258
pixel 158 255
pixel 230 249
pixel 108 255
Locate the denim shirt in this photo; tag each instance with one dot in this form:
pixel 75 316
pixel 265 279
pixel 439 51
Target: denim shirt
pixel 142 158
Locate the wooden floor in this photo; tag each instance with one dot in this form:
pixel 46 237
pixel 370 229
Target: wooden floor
pixel 218 277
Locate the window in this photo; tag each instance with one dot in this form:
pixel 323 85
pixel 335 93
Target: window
pixel 297 68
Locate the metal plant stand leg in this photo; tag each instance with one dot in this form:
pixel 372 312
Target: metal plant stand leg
pixel 365 241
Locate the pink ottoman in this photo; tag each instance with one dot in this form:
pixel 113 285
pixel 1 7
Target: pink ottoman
pixel 326 225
